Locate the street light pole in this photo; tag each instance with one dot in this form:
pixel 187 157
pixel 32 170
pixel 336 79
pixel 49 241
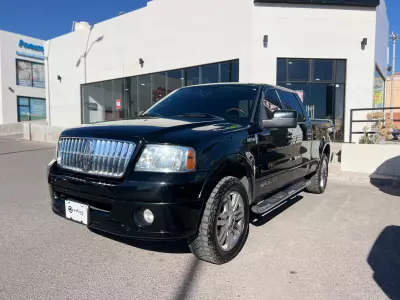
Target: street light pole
pixel 394 37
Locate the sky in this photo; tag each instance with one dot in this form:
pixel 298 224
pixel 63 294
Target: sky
pixel 47 19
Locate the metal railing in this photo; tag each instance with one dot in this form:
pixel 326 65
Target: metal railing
pixel 383 109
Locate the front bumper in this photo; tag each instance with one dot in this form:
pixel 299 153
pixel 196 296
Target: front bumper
pixel 175 202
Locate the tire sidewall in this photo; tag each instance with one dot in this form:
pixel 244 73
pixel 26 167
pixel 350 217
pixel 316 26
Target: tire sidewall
pixel 323 160
pixel 232 185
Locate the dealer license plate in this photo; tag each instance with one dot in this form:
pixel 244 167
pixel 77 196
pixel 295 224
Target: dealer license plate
pixel 77 212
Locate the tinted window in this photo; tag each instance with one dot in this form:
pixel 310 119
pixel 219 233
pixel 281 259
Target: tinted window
pixel 281 70
pixel 323 70
pixel 159 86
pixel 175 80
pixel 271 102
pixel 144 91
pixel 299 69
pixel 192 76
pixel 232 102
pixel 235 71
pixel 291 103
pixel 209 73
pixel 340 71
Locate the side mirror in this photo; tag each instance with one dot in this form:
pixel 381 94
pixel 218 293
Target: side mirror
pixel 282 119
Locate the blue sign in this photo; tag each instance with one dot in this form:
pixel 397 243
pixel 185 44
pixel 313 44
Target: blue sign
pixel 33 47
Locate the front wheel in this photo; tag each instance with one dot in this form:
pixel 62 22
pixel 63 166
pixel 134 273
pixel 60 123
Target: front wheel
pixel 224 226
pixel 319 180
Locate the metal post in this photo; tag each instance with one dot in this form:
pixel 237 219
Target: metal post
pixel 394 37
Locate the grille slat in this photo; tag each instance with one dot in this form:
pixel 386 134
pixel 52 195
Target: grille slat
pixel 95 156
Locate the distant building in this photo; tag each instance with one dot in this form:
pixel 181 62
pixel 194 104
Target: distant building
pixel 396 90
pixel 22 78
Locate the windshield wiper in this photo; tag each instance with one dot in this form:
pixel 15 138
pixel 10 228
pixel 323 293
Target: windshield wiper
pixel 198 115
pixel 154 115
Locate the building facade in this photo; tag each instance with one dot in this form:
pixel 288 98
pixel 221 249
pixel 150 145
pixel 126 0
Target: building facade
pixel 22 78
pixel 113 70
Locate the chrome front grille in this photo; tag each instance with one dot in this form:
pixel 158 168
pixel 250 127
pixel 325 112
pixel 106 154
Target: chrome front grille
pixel 95 156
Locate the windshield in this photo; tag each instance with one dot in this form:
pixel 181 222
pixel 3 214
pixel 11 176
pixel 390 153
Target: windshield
pixel 230 102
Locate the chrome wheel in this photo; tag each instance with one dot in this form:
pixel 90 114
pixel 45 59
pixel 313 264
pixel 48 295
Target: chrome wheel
pixel 230 221
pixel 324 173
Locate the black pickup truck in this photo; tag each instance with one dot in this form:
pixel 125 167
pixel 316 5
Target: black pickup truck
pixel 197 165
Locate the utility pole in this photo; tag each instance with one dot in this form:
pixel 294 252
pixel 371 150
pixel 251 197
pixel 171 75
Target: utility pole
pixel 394 38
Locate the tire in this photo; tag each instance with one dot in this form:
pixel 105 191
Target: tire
pixel 206 245
pixel 318 182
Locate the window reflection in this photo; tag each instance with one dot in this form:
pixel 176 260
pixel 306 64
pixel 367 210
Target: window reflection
pixel 298 69
pixel 192 76
pixel 323 70
pixel 125 98
pixel 144 91
pixel 209 73
pixel 159 84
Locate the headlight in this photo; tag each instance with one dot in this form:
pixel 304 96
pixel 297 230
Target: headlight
pixel 165 158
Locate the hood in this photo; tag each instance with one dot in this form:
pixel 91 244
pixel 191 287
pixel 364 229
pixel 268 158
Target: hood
pixel 155 130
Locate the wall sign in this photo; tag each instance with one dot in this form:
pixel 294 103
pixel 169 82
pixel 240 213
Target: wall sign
pixel 92 106
pixel 33 47
pixel 118 104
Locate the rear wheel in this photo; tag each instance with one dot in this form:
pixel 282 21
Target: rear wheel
pixel 319 180
pixel 225 223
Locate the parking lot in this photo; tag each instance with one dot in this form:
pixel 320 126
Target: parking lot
pixel 344 244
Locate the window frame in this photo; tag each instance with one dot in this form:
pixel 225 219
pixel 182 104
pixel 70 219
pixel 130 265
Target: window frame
pixel 29 106
pixel 31 62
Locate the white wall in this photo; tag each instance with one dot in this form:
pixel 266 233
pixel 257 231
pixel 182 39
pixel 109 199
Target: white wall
pixel 171 34
pixel 8 47
pixel 382 38
pixel 166 34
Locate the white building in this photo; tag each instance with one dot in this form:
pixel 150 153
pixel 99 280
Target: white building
pixel 112 70
pixel 22 78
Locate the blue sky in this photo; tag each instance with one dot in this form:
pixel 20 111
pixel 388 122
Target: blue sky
pixel 46 19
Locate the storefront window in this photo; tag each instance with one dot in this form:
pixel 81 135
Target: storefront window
pixel 323 70
pixel 192 76
pixel 125 98
pixel 209 73
pixel 379 88
pixel 159 86
pixel 30 74
pixel 323 93
pixel 31 109
pixel 175 80
pixel 298 69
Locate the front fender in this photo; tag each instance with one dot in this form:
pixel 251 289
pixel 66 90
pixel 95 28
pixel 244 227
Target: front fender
pixel 236 165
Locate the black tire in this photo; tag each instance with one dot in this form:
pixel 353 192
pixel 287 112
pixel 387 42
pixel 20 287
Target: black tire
pixel 315 184
pixel 205 245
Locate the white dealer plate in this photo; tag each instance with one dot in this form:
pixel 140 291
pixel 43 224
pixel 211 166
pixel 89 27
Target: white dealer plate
pixel 76 211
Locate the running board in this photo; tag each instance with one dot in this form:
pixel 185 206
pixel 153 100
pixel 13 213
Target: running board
pixel 269 203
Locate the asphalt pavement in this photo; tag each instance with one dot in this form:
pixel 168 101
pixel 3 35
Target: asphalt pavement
pixel 344 244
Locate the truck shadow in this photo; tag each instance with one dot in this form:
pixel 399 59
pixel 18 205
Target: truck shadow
pixel 260 220
pixel 387 176
pixel 178 246
pixel 384 259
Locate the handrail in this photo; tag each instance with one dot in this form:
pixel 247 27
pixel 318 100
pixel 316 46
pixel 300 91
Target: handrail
pixel 374 120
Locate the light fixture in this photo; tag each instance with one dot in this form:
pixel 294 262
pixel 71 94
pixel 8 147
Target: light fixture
pixel 364 43
pixel 141 62
pixel 11 89
pixel 59 78
pixel 265 41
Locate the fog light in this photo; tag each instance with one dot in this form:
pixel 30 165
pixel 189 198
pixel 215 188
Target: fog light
pixel 148 216
pixel 144 217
